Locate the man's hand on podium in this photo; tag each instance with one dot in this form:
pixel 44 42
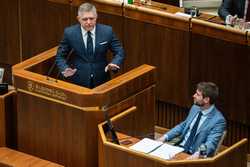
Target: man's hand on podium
pixel 68 72
pixel 162 138
pixel 112 67
pixel 195 155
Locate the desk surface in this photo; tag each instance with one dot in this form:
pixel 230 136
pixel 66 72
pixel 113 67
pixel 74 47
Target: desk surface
pixel 128 141
pixel 173 9
pixel 18 159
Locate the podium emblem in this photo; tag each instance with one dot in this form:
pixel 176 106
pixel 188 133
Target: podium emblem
pixel 30 86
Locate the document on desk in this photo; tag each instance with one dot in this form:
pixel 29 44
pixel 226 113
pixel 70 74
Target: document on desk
pixel 156 148
pixel 146 145
pixel 166 151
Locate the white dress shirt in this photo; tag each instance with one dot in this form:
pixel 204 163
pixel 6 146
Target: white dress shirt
pixel 85 36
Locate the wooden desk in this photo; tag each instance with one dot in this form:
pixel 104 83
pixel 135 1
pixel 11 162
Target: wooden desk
pixel 12 158
pixel 160 7
pixel 8 119
pixel 128 141
pixel 113 155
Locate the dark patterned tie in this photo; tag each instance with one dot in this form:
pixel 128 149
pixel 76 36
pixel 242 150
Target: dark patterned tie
pixel 248 12
pixel 90 50
pixel 190 139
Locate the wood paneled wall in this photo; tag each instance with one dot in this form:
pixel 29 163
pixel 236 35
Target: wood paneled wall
pixel 9 28
pixel 160 46
pixel 226 64
pixel 30 27
pixel 42 25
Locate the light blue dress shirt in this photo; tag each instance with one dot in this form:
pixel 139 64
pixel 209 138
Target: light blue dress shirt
pixel 203 118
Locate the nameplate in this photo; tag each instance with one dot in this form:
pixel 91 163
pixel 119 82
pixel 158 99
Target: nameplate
pixel 50 92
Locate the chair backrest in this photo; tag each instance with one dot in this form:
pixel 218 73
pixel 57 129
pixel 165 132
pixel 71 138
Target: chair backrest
pixel 220 142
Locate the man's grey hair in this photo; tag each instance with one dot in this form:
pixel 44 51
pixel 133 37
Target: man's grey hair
pixel 87 7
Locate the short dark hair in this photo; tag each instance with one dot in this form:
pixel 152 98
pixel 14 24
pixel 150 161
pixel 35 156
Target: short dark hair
pixel 208 89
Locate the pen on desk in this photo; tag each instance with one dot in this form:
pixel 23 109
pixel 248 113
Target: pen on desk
pixel 210 18
pixel 155 148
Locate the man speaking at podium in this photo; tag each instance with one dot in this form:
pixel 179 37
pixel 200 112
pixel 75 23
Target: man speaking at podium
pixel 89 43
pixel 204 124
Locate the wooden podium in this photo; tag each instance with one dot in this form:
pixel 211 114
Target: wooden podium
pixel 113 155
pixel 57 120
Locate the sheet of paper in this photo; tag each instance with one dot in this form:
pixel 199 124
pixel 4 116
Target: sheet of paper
pixel 182 14
pixel 166 151
pixel 146 145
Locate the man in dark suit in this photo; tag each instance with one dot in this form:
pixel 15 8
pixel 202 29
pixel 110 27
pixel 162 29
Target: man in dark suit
pixel 204 124
pixel 89 43
pixel 230 10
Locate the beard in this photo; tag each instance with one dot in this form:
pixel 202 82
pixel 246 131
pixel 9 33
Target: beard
pixel 199 103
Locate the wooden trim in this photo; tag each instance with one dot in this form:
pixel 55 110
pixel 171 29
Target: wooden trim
pixel 15 158
pixel 160 130
pixel 231 148
pixel 218 31
pixel 97 109
pixel 110 7
pixel 118 81
pixel 36 59
pixel 157 17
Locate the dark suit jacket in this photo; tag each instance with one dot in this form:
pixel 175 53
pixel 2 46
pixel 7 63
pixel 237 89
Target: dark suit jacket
pixel 209 133
pixel 87 65
pixel 232 7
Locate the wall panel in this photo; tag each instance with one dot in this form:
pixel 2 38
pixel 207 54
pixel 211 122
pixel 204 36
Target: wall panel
pixel 226 64
pixel 42 25
pixel 9 28
pixel 165 48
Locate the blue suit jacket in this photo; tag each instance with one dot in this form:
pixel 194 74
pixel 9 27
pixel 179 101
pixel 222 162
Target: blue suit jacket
pixel 86 65
pixel 232 7
pixel 209 133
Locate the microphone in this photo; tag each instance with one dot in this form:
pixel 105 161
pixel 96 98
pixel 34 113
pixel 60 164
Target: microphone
pixel 110 127
pixel 53 67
